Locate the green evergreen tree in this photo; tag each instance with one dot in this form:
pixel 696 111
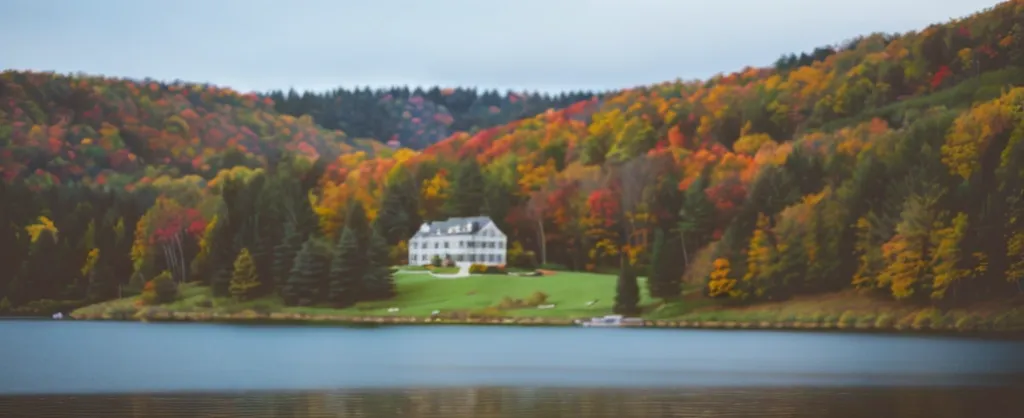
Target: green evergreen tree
pixel 399 214
pixel 379 276
pixel 348 269
pixel 627 292
pixel 102 283
pixel 244 280
pixel 357 222
pixel 467 197
pixel 307 282
pixel 665 278
pixel 284 255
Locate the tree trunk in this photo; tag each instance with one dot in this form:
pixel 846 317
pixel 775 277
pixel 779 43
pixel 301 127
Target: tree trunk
pixel 181 256
pixel 543 242
pixel 169 262
pixel 686 257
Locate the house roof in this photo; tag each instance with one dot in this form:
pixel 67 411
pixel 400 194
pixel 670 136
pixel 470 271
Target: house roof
pixel 454 226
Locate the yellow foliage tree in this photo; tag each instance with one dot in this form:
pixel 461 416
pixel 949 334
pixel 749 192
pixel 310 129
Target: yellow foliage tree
pixel 244 280
pixel 761 259
pixel 719 282
pixel 946 257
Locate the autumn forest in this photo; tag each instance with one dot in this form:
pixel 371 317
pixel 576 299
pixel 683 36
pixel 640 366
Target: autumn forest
pixel 892 164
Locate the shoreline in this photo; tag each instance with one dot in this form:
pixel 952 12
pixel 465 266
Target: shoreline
pixel 252 317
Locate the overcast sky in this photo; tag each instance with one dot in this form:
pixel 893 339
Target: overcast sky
pixel 546 45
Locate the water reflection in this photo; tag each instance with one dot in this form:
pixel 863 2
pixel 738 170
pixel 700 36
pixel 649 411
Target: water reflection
pixel 539 403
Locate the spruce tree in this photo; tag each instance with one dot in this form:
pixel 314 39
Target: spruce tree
pixel 664 280
pixel 393 219
pixel 102 283
pixel 379 277
pixel 627 293
pixel 357 222
pixel 307 282
pixel 348 269
pixel 284 255
pixel 467 198
pixel 244 280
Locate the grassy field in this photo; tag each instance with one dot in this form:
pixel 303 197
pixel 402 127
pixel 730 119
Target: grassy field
pixel 571 294
pixel 419 294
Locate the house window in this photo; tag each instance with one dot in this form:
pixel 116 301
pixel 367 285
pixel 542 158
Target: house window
pixel 500 257
pixel 436 245
pixel 446 244
pixel 501 245
pixel 462 244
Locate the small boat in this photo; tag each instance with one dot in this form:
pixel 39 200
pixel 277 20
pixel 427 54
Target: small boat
pixel 611 321
pixel 58 315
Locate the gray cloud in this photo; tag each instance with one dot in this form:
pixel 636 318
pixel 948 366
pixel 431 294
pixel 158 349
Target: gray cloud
pixel 532 44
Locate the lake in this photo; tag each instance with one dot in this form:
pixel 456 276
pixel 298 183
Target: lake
pixel 122 369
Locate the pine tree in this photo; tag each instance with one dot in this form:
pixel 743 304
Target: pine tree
pixel 664 280
pixel 397 216
pixel 308 279
pixel 627 292
pixel 357 222
pixel 102 283
pixel 244 280
pixel 222 255
pixel 378 279
pixel 284 255
pixel 467 197
pixel 348 270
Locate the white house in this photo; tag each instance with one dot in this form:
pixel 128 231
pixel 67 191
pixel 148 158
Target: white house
pixel 474 240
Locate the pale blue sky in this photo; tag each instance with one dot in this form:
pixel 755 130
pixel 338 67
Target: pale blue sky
pixel 533 44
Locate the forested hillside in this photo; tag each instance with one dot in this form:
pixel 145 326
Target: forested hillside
pixel 56 128
pixel 417 118
pixel 893 165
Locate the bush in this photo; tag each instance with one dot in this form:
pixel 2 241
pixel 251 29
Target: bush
pixel 928 318
pixel 436 261
pixel 848 319
pixel 205 302
pixel 162 289
pixel 537 298
pixel 485 269
pixel 885 321
pixel 968 323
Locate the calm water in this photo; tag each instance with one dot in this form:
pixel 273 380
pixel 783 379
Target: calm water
pixel 108 369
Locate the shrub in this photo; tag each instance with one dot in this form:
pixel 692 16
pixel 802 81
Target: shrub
pixel 885 321
pixel 485 269
pixel 162 289
pixel 5 306
pixel 436 261
pixel 205 302
pixel 927 318
pixel 967 323
pixel 537 298
pixel 509 303
pixel 848 319
pixel 488 312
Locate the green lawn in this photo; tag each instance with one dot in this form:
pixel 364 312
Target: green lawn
pixel 420 294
